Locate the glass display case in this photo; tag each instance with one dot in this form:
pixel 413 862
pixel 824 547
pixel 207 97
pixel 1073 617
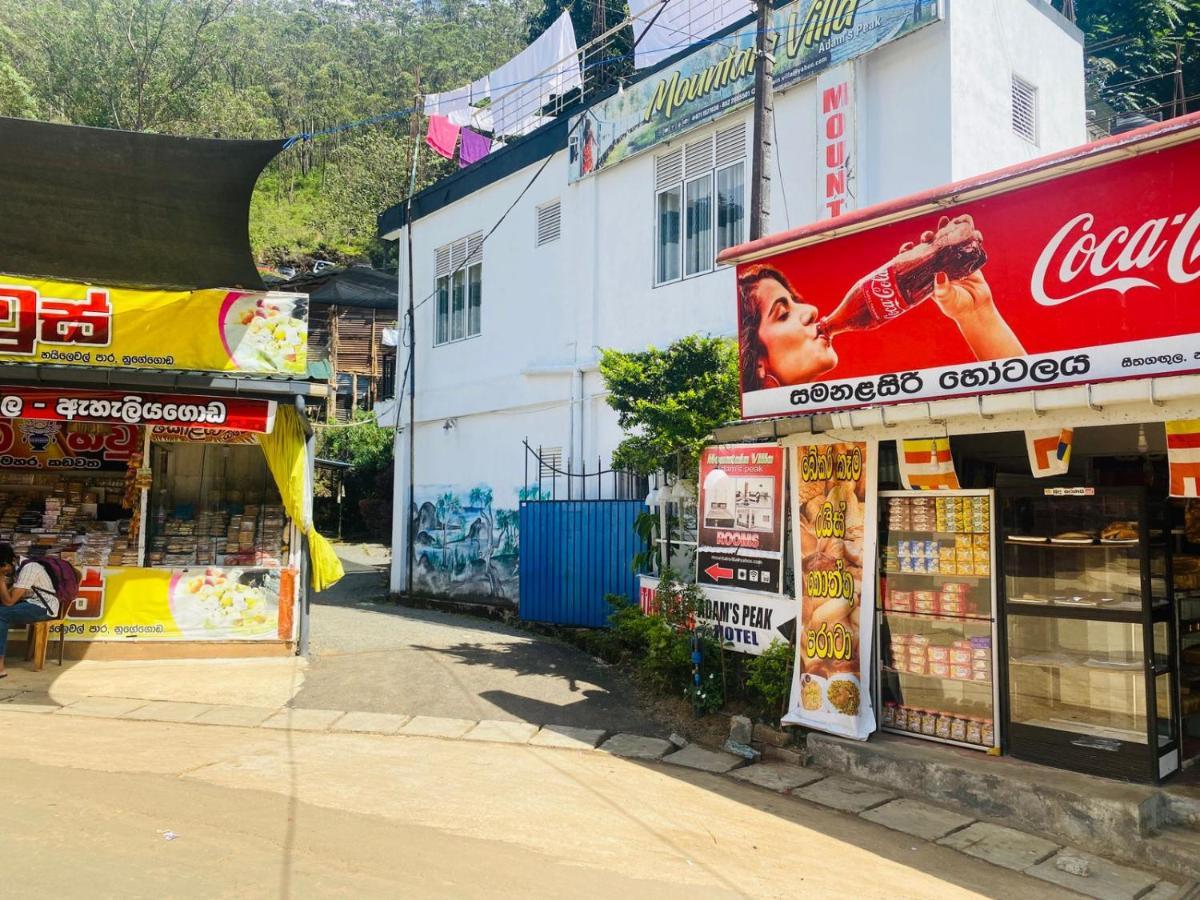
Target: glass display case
pixel 936 617
pixel 1090 632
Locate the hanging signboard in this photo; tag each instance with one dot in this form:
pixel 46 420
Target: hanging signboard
pixel 740 517
pixel 811 36
pixel 1085 276
pixel 743 621
pixel 40 444
pixel 833 514
pixel 58 322
pixel 65 405
pixel 184 434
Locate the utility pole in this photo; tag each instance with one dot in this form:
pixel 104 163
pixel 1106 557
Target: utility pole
pixel 410 543
pixel 599 19
pixel 1068 10
pixel 764 110
pixel 1179 101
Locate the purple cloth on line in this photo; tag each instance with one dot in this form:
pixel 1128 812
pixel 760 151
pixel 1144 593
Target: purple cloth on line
pixel 474 147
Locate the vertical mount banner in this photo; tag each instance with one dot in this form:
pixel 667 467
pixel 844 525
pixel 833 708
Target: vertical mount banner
pixel 834 499
pixel 740 512
pixel 837 142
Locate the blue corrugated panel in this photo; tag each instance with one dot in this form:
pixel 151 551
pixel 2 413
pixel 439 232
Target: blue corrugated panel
pixel 573 552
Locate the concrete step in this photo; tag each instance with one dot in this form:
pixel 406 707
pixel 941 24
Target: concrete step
pixel 1183 806
pixel 1131 823
pixel 1177 849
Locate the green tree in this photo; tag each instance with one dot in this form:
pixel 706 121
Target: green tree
pixel 16 99
pixel 669 401
pixel 1130 47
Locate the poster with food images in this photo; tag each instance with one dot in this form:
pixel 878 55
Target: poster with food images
pixel 193 604
pixel 833 516
pixel 740 513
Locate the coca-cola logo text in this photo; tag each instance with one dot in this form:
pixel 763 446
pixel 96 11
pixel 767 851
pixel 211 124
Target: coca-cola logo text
pixel 1077 254
pixel 880 288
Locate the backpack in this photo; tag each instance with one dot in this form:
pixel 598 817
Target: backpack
pixel 63 578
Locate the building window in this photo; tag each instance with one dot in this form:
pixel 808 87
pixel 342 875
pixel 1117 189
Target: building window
pixel 1024 109
pixel 701 186
pixel 459 290
pixel 549 222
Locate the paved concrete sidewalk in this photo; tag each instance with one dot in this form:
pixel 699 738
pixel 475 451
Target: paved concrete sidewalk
pixel 373 656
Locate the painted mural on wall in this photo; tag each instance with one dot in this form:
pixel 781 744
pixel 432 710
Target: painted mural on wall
pixel 464 546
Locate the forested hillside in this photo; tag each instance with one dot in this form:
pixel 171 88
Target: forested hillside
pixel 262 68
pixel 267 68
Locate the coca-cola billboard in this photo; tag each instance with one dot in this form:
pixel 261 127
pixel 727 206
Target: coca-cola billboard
pixel 1085 277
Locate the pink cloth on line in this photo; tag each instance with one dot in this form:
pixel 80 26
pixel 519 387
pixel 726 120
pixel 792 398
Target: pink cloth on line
pixel 474 147
pixel 442 136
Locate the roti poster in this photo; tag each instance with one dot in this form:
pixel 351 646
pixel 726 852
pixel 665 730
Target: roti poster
pixel 256 332
pixel 833 514
pixel 193 604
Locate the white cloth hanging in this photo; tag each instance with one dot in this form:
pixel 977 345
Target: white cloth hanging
pixel 546 68
pixel 448 101
pixel 679 25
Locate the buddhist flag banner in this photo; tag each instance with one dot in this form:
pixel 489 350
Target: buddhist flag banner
pixel 926 465
pixel 1183 457
pixel 1049 451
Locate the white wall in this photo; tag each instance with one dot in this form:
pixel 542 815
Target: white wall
pixel 931 108
pixel 990 41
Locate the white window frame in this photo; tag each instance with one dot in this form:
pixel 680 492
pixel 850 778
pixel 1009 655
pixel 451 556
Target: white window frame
pixel 458 260
pixel 711 165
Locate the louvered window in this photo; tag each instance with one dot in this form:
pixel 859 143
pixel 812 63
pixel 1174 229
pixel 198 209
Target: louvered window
pixel 700 202
pixel 458 290
pixel 549 222
pixel 1024 109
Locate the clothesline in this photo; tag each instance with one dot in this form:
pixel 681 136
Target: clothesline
pixel 401 113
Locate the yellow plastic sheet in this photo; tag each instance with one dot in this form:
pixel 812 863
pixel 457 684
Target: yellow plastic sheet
pixel 285 451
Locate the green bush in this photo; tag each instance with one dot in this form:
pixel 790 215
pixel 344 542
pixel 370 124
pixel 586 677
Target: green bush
pixel 769 677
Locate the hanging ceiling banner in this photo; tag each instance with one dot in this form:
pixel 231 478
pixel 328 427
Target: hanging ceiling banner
pixel 810 36
pixel 253 332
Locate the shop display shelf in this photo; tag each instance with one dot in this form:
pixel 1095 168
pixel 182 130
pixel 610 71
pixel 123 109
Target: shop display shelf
pixel 1092 613
pixel 890 671
pixel 938 531
pixel 1051 544
pixel 950 576
pixel 1139 670
pixel 935 617
pixel 928 737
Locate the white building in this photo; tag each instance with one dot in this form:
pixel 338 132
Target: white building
pixel 598 261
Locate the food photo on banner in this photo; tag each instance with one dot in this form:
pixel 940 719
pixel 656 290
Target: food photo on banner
pixel 834 502
pixel 983 296
pixel 740 517
pixel 258 332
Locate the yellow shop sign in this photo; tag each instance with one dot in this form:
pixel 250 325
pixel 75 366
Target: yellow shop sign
pixel 212 330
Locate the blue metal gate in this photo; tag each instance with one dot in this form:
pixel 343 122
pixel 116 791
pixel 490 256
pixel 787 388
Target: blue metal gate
pixel 573 552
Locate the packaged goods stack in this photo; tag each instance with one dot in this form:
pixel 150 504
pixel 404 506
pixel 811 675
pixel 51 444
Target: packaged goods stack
pixel 937 622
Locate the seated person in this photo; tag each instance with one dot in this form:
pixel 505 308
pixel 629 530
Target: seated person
pixel 30 599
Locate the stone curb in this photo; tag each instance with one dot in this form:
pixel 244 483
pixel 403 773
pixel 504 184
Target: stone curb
pixel 995 844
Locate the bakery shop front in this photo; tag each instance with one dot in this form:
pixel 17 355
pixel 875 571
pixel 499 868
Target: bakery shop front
pixel 1014 357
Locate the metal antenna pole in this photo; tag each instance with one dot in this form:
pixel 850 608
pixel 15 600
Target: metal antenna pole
pixel 760 164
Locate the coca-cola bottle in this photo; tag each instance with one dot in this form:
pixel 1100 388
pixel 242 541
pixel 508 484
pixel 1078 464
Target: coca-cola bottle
pixel 906 281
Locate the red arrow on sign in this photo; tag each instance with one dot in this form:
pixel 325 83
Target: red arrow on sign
pixel 717 573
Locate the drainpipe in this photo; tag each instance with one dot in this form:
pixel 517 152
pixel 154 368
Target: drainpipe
pixel 577 390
